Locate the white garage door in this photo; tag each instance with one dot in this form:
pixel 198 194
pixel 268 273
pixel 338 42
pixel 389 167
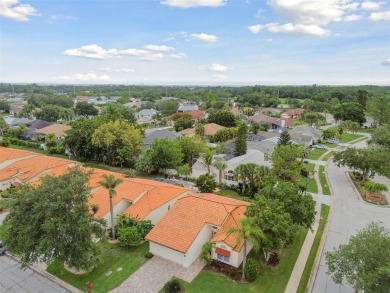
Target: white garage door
pixel 166 252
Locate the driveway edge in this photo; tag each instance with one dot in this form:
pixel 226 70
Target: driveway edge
pixel 46 274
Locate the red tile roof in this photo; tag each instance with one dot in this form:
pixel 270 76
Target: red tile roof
pixel 183 222
pixel 8 154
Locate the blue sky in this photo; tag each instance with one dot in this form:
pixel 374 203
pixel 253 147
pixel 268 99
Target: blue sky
pixel 195 42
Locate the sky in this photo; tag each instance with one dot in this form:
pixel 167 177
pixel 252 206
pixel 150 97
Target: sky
pixel 195 42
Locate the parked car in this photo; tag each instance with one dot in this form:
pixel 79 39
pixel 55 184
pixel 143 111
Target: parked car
pixel 333 140
pixel 2 249
pixel 320 146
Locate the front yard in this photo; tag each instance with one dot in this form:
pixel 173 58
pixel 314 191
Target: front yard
pixel 315 154
pixel 309 182
pixel 119 261
pixel 270 279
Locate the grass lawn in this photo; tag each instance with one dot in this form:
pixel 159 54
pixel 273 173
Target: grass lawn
pixel 232 194
pixel 360 139
pixel 324 182
pixel 347 137
pixel 113 258
pixel 315 154
pixel 313 251
pixel 270 279
pixel 310 182
pixel 326 157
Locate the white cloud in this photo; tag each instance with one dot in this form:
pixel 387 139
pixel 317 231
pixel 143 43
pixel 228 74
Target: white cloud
pixel 108 69
pixel 215 67
pixel 193 3
pixel 178 56
pixel 352 17
pixel 152 57
pixel 370 5
pixel 377 16
pixel 55 18
pixel 97 52
pixel 84 77
pixel 13 10
pixel 386 62
pixel 297 29
pixel 204 37
pixel 255 29
pixel 162 48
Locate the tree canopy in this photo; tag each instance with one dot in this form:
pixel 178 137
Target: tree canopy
pixel 53 221
pixel 364 262
pixel 350 111
pixel 224 118
pixel 284 162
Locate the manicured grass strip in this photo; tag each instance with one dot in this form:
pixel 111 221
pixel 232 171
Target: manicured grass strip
pixel 232 194
pixel 326 157
pixel 347 137
pixel 324 182
pixel 315 154
pixel 360 139
pixel 270 279
pixel 3 230
pixel 309 182
pixel 313 251
pixel 113 258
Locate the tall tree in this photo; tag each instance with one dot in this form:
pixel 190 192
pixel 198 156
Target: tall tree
pixel 381 136
pixel 53 221
pixel 220 165
pixel 86 109
pixel 207 159
pixel 285 138
pixel 350 111
pixel 378 108
pixel 110 183
pixel 224 118
pixel 364 262
pixel 118 141
pixel 285 162
pixel 165 153
pixel 246 231
pixel 361 98
pixel 241 146
pixel 191 147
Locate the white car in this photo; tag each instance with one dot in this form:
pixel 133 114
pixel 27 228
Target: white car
pixel 320 146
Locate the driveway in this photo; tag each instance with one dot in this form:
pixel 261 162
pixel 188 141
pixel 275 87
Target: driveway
pixel 152 276
pixel 349 214
pixel 14 279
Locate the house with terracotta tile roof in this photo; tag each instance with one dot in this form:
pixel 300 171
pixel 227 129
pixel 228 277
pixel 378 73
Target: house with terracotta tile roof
pixel 57 129
pixel 294 113
pixel 194 220
pixel 209 129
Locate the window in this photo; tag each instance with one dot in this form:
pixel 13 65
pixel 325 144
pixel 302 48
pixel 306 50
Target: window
pixel 223 258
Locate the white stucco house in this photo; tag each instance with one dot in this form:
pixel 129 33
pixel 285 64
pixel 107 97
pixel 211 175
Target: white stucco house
pixel 195 220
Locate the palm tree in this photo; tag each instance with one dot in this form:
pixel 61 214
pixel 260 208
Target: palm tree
pixel 110 183
pixel 207 159
pixel 246 231
pixel 220 165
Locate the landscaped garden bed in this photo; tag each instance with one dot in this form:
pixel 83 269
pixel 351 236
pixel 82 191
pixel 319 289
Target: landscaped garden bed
pixel 369 191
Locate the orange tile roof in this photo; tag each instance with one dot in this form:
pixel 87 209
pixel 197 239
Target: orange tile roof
pixel 8 154
pixel 153 196
pixel 57 129
pixel 212 128
pixel 28 168
pixel 183 222
pixel 153 199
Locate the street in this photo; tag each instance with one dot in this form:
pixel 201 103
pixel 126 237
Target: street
pixel 349 215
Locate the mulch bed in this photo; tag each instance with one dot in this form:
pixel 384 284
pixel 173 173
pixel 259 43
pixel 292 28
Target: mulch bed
pixel 228 271
pixel 378 198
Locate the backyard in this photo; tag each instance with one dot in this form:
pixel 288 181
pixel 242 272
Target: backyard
pixel 116 266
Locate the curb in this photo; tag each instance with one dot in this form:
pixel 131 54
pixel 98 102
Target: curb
pixel 316 264
pixel 49 276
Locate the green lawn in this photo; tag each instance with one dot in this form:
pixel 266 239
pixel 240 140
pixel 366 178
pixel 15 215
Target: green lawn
pixel 232 194
pixel 113 258
pixel 3 230
pixel 270 279
pixel 347 137
pixel 360 139
pixel 326 157
pixel 315 154
pixel 324 182
pixel 313 251
pixel 310 182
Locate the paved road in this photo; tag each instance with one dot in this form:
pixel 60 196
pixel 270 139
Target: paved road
pixel 13 279
pixel 349 214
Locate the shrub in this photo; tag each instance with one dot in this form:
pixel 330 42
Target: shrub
pixel 5 194
pixel 205 254
pixel 149 255
pixel 4 142
pixel 1 207
pixel 172 286
pixel 206 183
pixel 223 135
pixel 129 236
pixel 251 270
pixel 304 172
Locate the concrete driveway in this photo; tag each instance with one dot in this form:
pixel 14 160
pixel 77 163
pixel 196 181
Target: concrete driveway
pixel 14 279
pixel 349 215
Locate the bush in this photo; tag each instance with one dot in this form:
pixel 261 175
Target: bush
pixel 223 135
pixel 129 236
pixel 60 150
pixel 4 142
pixel 304 172
pixel 206 183
pixel 1 207
pixel 149 255
pixel 205 254
pixel 251 270
pixel 5 194
pixel 172 286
